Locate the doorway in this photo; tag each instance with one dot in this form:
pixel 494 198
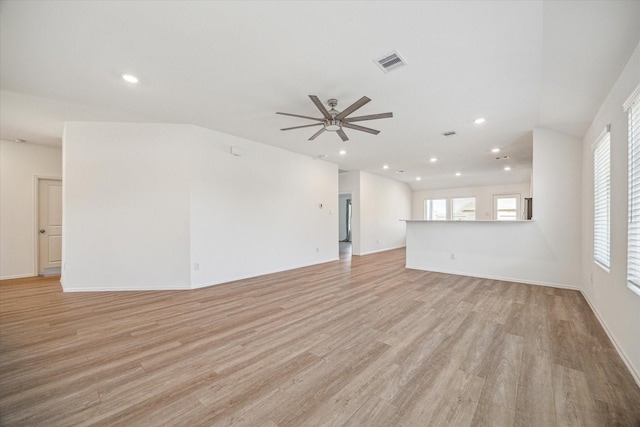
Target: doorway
pixel 345 212
pixel 49 227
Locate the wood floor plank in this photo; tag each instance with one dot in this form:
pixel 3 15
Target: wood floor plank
pixel 362 341
pixel 534 400
pixel 574 404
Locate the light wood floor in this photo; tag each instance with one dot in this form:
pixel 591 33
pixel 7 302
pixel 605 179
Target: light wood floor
pixel 360 342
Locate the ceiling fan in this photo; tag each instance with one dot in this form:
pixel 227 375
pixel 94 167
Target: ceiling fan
pixel 333 120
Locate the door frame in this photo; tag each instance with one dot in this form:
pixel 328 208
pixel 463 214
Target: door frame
pixel 36 217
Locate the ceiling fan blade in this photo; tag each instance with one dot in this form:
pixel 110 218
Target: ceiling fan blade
pixel 353 107
pixel 304 126
pixel 342 135
pixel 369 117
pixel 360 128
pixel 315 135
pixel 321 107
pixel 302 117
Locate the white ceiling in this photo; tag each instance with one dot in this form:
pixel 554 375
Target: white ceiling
pixel 230 66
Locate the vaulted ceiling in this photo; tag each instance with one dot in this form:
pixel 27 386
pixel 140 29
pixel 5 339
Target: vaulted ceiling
pixel 230 65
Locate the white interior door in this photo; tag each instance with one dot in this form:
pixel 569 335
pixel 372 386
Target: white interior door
pixel 49 225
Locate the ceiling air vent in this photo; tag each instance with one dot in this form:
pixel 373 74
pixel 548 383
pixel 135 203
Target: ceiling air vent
pixel 450 133
pixel 390 61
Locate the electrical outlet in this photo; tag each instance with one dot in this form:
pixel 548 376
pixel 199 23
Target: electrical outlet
pixel 452 255
pixel 317 249
pixel 196 266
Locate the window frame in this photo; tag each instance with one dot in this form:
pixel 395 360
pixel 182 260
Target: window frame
pixel 475 204
pixel 516 196
pixel 446 208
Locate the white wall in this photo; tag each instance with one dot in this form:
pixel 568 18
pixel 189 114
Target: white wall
pixel 260 212
pixel 506 250
pixel 556 178
pixel 20 164
pixel 379 204
pixel 159 199
pixel 126 206
pixel 484 197
pixel 384 203
pixel 544 251
pixel 616 305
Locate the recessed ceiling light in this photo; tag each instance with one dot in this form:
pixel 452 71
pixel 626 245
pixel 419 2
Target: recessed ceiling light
pixel 479 120
pixel 495 150
pixel 418 179
pixel 385 167
pixel 458 174
pixel 343 152
pixel 507 168
pixel 19 141
pixel 433 159
pixel 129 78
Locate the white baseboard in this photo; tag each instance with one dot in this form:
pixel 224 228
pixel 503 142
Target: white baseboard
pixel 623 356
pixel 380 250
pixel 250 276
pixel 17 276
pixel 128 289
pixel 503 279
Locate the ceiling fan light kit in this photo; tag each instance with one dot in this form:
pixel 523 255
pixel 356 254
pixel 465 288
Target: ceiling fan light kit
pixel 334 121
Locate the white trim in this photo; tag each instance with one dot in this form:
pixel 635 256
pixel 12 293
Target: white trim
pixel 187 287
pixel 264 273
pixel 377 251
pixel 633 97
pixel 502 279
pixel 18 276
pixel 621 353
pixel 130 289
pixel 469 222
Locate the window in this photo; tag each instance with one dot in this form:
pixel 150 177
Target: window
pixel 463 209
pixel 602 199
pixel 435 209
pixel 506 207
pixel 632 106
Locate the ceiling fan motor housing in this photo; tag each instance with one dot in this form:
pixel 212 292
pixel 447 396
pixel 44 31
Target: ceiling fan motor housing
pixel 333 125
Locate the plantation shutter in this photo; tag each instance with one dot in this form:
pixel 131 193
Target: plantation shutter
pixel 602 200
pixel 632 106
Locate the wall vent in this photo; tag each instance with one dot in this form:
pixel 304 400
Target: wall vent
pixel 450 133
pixel 390 61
